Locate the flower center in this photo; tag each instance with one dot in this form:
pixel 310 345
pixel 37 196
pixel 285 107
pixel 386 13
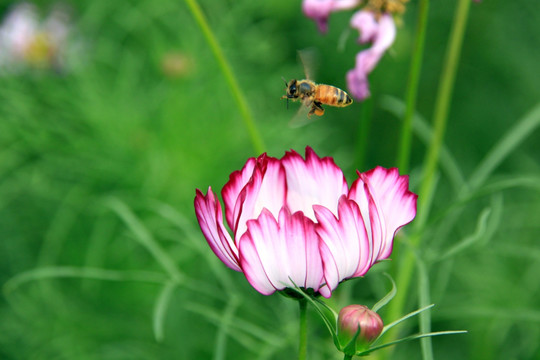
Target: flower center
pixel 387 6
pixel 40 51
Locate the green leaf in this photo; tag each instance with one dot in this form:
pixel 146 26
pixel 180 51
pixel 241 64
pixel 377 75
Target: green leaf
pixel 242 330
pixel 144 236
pixel 194 240
pixel 411 314
pixel 226 322
pixel 425 133
pixel 409 338
pixel 523 128
pixel 467 242
pixel 528 182
pixel 160 309
pixel 386 299
pixel 52 272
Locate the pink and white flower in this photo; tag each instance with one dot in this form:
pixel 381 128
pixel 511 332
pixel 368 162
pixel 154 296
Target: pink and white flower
pixel 320 10
pixel 296 221
pixel 380 33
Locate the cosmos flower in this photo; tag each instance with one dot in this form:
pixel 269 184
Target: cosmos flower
pixel 375 23
pixel 295 221
pixel 28 41
pixel 320 10
pixel 380 33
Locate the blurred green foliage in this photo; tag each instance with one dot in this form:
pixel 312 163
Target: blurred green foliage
pixel 99 165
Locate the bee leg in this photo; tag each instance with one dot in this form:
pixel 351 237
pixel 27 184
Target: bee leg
pixel 311 111
pixel 317 109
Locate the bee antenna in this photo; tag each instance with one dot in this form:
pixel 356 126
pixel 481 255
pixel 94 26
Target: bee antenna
pixel 286 83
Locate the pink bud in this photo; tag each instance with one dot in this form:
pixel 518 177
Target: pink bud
pixel 351 318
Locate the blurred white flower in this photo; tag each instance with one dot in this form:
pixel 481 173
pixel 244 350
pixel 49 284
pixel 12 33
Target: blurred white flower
pixel 26 41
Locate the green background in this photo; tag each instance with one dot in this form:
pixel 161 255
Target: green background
pixel 99 166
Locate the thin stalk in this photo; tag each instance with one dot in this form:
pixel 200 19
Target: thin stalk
pixel 444 97
pixel 442 103
pixel 412 86
pixel 256 139
pixel 302 352
pixel 363 133
pixel 347 357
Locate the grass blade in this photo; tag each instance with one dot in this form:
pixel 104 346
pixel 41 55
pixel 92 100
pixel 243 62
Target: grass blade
pixel 54 272
pixel 144 237
pixel 505 146
pixel 425 133
pixel 160 310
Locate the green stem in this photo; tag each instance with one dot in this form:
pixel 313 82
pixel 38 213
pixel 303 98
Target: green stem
pixel 412 86
pixel 363 132
pixel 256 139
pixel 444 97
pixel 442 103
pixel 347 357
pixel 302 352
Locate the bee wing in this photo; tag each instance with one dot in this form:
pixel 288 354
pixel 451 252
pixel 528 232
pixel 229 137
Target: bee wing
pixel 301 118
pixel 308 58
pixel 304 115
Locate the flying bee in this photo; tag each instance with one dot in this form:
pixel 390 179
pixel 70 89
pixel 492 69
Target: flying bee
pixel 315 95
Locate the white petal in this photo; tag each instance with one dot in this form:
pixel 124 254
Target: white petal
pixel 265 190
pixel 231 190
pixel 395 204
pixel 275 255
pixel 345 246
pixel 302 250
pixel 313 181
pixel 209 215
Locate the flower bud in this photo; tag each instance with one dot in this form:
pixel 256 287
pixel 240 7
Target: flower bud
pixel 354 317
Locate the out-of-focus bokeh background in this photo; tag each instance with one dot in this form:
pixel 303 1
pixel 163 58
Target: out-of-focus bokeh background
pixel 100 155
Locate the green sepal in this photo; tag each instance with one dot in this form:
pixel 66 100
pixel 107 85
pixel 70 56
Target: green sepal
pixel 350 348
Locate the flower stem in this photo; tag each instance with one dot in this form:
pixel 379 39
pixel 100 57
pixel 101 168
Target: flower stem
pixel 363 133
pixel 442 103
pixel 412 86
pixel 444 97
pixel 256 139
pixel 302 352
pixel 347 357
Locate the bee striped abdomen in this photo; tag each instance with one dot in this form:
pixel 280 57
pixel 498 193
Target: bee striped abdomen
pixel 331 95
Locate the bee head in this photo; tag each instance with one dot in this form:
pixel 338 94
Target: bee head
pixel 291 89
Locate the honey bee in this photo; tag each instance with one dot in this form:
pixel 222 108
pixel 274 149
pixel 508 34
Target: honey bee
pixel 315 95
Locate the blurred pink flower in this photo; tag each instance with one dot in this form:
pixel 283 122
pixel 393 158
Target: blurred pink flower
pixel 381 33
pixel 296 221
pixel 376 26
pixel 320 10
